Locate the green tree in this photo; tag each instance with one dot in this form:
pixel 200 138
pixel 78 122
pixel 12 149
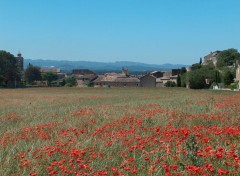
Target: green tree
pixel 183 70
pixel 196 66
pixel 178 81
pixel 200 62
pixel 183 79
pixel 228 77
pixel 170 84
pixel 196 80
pixel 9 71
pixel 227 57
pixel 50 77
pixel 32 74
pixel 71 81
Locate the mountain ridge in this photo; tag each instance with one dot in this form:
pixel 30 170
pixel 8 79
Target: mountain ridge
pixel 68 66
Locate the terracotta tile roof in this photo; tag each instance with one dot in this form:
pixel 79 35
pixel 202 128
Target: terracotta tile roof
pixel 127 79
pixel 103 78
pixel 90 77
pixel 46 70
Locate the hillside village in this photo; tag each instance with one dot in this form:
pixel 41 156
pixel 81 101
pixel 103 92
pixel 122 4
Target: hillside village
pixel 87 78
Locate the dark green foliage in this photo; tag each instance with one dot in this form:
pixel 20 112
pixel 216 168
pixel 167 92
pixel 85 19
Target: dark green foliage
pixel 234 85
pixel 62 83
pixel 170 84
pixel 200 61
pixel 196 79
pixel 49 77
pixel 71 81
pixel 88 84
pixel 192 149
pixel 227 57
pixel 183 70
pixel 178 81
pixel 196 66
pixel 32 74
pixel 183 79
pixel 9 71
pixel 228 77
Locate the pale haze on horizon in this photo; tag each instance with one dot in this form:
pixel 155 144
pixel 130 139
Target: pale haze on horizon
pixel 153 32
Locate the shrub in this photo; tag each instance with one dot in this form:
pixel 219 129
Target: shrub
pixel 234 85
pixel 228 77
pixel 196 80
pixel 68 85
pixel 170 84
pixel 71 81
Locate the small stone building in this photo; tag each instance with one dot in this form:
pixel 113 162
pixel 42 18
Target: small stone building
pixel 158 79
pixel 20 61
pixel 60 74
pixel 117 80
pixel 211 58
pixel 85 77
pixel 238 73
pixel 148 81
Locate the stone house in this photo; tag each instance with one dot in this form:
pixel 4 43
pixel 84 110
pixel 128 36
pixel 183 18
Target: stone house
pixel 117 80
pixel 85 77
pixel 149 81
pixel 20 61
pixel 238 73
pixel 211 58
pixel 158 78
pixel 60 74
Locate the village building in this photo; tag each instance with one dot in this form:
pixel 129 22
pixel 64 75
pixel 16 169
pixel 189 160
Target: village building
pixel 85 77
pixel 149 81
pixel 158 78
pixel 238 74
pixel 20 61
pixel 117 80
pixel 60 74
pixel 211 58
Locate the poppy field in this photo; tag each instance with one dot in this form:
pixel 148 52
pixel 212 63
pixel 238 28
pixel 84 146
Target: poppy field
pixel 119 131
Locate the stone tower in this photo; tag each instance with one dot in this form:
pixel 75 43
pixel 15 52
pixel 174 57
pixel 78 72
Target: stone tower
pixel 238 73
pixel 20 61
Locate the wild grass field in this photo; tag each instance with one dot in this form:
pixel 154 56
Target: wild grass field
pixel 119 131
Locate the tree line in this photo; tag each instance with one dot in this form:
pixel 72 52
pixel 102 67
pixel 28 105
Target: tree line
pixel 206 76
pixel 201 76
pixel 12 76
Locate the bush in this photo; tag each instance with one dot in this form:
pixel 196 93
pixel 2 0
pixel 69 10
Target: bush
pixel 196 80
pixel 228 77
pixel 234 85
pixel 68 85
pixel 49 77
pixel 71 81
pixel 170 84
pixel 183 80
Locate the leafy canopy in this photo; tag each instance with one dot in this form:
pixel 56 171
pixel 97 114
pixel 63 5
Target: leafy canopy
pixel 9 70
pixel 227 57
pixel 49 77
pixel 32 73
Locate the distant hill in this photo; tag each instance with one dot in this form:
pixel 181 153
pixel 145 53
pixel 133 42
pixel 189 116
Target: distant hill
pixel 101 67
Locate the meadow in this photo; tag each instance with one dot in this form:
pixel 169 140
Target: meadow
pixel 119 131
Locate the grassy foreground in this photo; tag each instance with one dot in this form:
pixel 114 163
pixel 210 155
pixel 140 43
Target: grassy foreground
pixel 119 131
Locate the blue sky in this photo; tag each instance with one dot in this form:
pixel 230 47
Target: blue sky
pixel 149 31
